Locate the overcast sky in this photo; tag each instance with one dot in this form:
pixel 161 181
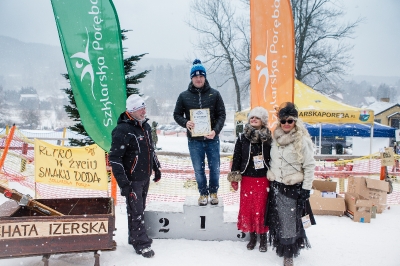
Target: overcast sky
pixel 159 28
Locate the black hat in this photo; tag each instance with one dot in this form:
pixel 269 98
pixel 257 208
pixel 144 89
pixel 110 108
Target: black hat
pixel 287 109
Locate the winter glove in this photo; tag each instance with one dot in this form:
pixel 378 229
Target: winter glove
pixel 235 185
pixel 126 190
pixel 157 176
pixel 234 176
pixel 304 194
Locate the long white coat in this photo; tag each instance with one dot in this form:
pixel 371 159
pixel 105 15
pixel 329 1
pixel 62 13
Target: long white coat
pixel 285 168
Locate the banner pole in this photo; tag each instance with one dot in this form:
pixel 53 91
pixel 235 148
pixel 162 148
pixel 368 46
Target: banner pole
pixel 63 136
pixel 7 145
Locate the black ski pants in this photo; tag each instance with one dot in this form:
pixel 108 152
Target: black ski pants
pixel 135 205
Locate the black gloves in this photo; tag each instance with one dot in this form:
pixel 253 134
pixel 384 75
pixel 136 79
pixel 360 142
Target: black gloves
pixel 304 194
pixel 157 176
pixel 126 190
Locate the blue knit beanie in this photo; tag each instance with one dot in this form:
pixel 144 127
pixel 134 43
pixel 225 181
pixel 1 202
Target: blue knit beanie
pixel 197 69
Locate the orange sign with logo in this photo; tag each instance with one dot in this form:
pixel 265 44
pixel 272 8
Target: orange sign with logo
pixel 272 55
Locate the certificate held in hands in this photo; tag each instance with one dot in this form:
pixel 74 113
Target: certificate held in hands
pixel 202 122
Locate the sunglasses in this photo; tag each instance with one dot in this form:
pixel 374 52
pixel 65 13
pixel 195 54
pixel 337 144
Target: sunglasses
pixel 289 121
pixel 255 117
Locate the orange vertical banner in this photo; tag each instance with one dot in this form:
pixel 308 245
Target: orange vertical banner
pixel 113 182
pixel 113 188
pixel 272 55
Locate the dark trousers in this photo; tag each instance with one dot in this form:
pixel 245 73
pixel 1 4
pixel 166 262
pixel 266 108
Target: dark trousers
pixel 135 205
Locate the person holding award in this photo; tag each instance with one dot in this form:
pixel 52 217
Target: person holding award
pixel 201 110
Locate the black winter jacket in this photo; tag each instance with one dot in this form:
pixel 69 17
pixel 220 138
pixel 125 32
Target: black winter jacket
pixel 194 98
pixel 242 156
pixel 132 155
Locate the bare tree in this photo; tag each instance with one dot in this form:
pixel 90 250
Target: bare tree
pixel 30 118
pixel 322 55
pixel 388 92
pixel 220 40
pixel 242 53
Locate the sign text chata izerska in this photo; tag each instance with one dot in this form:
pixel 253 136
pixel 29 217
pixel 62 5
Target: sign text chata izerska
pixel 52 229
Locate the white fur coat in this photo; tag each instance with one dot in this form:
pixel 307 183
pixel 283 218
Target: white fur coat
pixel 284 166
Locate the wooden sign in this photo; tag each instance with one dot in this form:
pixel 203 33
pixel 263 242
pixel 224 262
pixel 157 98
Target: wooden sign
pixel 33 229
pixel 387 157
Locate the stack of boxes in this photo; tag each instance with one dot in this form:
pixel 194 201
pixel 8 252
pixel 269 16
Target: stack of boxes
pixel 365 197
pixel 357 208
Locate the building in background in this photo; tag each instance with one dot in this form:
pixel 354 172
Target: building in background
pixel 386 113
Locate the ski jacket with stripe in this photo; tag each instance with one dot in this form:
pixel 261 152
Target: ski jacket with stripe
pixel 194 98
pixel 132 156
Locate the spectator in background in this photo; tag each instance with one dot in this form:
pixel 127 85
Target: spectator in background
pixel 133 159
pixel 200 95
pixel 249 166
pixel 154 136
pixel 396 148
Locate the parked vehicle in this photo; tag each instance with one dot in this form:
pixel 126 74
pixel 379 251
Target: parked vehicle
pixel 228 134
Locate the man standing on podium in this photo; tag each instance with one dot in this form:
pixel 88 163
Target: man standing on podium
pixel 200 95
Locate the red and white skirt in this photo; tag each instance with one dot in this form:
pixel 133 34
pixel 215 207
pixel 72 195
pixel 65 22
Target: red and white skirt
pixel 253 199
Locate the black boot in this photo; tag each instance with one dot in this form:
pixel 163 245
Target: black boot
pixel 288 261
pixel 253 241
pixel 146 252
pixel 263 242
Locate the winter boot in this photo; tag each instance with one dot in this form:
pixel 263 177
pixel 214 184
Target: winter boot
pixel 288 262
pixel 253 241
pixel 263 242
pixel 214 199
pixel 203 200
pixel 146 252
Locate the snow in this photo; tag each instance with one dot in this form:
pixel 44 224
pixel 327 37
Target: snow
pixel 379 107
pixel 335 241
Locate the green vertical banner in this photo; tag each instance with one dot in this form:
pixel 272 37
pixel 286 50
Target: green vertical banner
pixel 90 37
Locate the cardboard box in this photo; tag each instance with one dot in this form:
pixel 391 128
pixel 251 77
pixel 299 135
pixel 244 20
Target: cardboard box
pixel 329 194
pixel 358 207
pixel 326 206
pixel 372 189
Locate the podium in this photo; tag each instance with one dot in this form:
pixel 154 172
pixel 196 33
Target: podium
pixel 194 223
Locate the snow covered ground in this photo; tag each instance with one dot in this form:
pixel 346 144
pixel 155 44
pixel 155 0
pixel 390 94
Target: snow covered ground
pixel 336 241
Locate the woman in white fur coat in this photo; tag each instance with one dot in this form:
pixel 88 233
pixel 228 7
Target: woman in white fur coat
pixel 291 174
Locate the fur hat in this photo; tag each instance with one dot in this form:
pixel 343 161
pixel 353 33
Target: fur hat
pixel 287 109
pixel 134 103
pixel 259 112
pixel 197 69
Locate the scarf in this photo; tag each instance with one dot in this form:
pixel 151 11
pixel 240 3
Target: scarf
pixel 283 138
pixel 256 135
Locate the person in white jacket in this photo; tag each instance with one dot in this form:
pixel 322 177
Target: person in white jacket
pixel 291 174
